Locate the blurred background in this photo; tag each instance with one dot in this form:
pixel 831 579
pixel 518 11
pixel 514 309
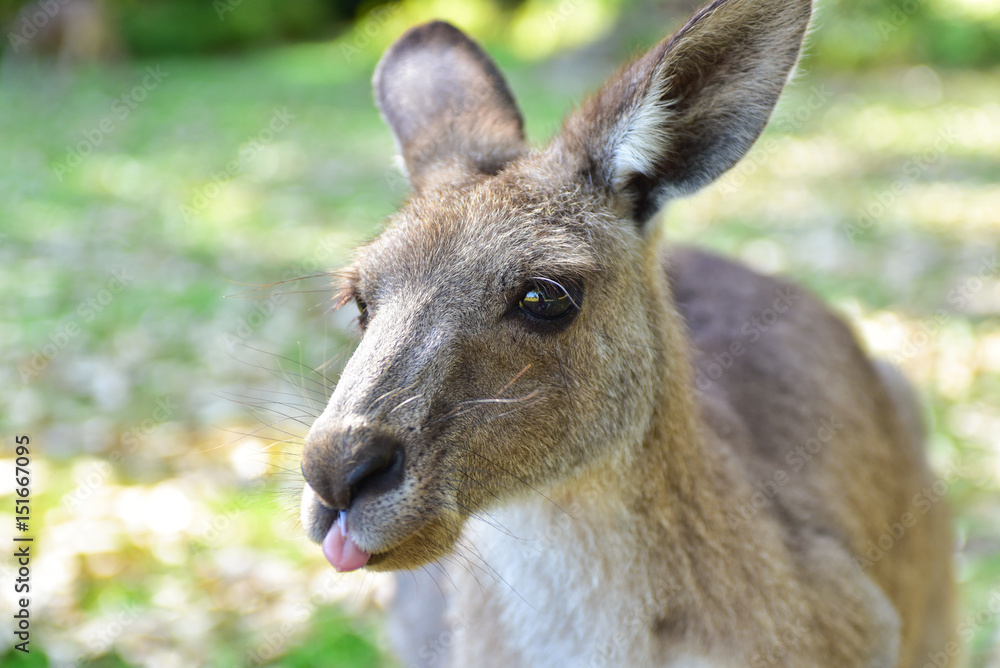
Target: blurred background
pixel 177 178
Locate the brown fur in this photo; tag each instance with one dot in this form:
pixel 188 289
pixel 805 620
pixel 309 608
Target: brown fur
pixel 611 429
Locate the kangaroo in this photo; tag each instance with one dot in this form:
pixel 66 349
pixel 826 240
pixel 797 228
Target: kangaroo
pixel 613 464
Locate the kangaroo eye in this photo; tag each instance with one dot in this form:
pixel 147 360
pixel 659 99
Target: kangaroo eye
pixel 362 310
pixel 548 301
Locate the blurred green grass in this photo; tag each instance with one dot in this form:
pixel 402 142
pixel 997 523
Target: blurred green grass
pixel 165 517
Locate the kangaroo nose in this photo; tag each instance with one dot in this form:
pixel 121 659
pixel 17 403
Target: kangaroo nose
pixel 375 468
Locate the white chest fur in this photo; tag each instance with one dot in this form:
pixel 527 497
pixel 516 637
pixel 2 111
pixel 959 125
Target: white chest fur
pixel 543 586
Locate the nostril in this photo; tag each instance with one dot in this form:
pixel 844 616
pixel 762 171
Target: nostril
pixel 379 470
pixel 338 478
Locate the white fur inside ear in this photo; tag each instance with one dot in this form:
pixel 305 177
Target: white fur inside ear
pixel 644 138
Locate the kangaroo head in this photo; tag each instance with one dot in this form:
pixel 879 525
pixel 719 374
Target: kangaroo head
pixel 516 321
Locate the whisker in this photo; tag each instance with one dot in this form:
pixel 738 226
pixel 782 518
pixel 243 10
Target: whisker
pixel 444 572
pixel 403 403
pixel 453 558
pixel 326 381
pixel 385 396
pixel 513 380
pixel 503 470
pixel 252 434
pixel 479 402
pixel 264 286
pixel 262 404
pixel 489 570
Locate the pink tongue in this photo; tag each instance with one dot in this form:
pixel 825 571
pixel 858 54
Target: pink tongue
pixel 340 550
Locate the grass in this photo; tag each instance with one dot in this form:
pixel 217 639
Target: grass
pixel 164 520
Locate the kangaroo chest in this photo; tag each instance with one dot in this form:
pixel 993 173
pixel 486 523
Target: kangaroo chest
pixel 539 586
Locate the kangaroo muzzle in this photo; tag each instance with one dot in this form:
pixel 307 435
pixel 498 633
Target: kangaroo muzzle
pixel 343 468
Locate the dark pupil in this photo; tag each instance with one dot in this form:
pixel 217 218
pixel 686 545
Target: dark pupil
pixel 544 304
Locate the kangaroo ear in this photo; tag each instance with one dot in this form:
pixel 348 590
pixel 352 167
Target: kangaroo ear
pixel 675 119
pixel 447 104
